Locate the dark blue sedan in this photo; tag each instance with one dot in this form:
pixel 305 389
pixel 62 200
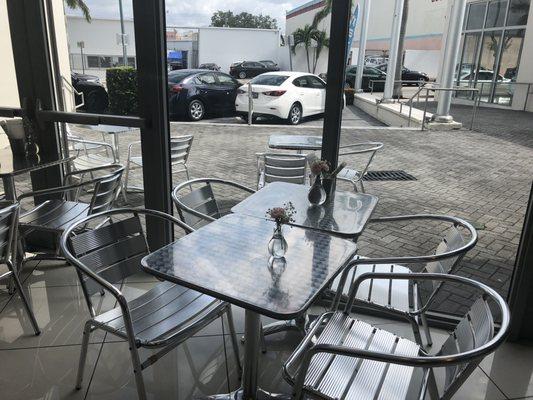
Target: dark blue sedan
pixel 195 94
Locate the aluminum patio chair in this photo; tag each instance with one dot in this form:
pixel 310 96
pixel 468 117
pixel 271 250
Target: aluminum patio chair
pixel 364 153
pixel 180 148
pixel 159 319
pixel 89 152
pixel 281 167
pixel 41 227
pixel 9 215
pixel 197 204
pixel 406 298
pixel 343 357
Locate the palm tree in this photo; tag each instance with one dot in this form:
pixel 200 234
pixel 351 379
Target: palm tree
pixel 81 5
pixel 321 40
pixel 304 37
pixel 323 13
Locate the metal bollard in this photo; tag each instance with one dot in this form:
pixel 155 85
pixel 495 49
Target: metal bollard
pixel 250 104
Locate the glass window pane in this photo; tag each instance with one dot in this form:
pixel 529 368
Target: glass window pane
pixel 510 56
pixel 496 13
pixel 476 16
pixel 518 12
pixel 93 62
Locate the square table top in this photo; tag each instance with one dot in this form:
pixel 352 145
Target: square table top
pixel 229 259
pixel 15 164
pixel 295 142
pixel 345 214
pixel 111 129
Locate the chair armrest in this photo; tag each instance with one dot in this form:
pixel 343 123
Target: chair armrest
pixel 60 189
pixel 367 147
pixel 75 139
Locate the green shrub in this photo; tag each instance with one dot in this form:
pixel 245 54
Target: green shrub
pixel 122 90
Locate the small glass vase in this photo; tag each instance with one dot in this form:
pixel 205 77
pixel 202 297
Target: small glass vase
pixel 317 194
pixel 277 247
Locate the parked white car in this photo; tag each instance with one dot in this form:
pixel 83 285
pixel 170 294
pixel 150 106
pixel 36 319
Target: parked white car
pixel 284 94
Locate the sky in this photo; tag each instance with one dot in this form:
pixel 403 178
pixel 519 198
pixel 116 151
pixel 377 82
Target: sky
pixel 196 13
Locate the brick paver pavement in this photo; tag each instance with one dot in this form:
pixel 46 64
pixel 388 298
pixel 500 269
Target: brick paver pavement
pixel 484 178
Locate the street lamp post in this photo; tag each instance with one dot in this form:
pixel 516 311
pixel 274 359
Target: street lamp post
pixel 81 45
pixel 123 35
pixel 393 52
pixel 362 46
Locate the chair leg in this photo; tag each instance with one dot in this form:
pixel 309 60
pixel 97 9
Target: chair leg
pixel 137 370
pixel 187 175
pixel 355 187
pixel 83 354
pixel 416 331
pixel 362 186
pixel 425 325
pixel 234 341
pixel 22 295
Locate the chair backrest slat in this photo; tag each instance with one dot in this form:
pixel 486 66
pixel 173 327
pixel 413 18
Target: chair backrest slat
pixel 8 221
pixel 180 148
pixel 473 331
pixel 112 251
pixel 105 192
pixel 202 200
pixel 452 240
pixel 94 239
pixel 116 272
pixel 282 168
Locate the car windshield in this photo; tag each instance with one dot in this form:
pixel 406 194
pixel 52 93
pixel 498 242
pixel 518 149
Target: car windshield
pixel 178 76
pixel 270 80
pixel 268 63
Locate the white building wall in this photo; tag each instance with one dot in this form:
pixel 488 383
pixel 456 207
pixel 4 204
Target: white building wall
pixel 423 36
pixel 100 38
pixel 225 46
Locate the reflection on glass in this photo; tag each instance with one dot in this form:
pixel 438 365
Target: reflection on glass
pixel 496 13
pixel 467 66
pixel 518 12
pixel 487 64
pixel 508 66
pixel 476 16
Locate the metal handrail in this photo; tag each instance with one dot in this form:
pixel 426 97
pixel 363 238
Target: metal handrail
pixel 66 85
pixel 452 89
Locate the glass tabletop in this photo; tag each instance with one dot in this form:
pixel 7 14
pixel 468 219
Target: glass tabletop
pixel 295 142
pixel 229 259
pixel 345 215
pixel 111 129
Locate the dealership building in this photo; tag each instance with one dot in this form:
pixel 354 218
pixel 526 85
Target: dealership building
pixel 496 53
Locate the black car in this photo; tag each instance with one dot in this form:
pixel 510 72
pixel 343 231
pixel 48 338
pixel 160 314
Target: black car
pixel 209 66
pixel 95 98
pixel 270 64
pixel 408 75
pixel 369 74
pixel 249 69
pixel 196 93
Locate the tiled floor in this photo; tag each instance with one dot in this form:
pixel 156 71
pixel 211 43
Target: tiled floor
pixel 44 367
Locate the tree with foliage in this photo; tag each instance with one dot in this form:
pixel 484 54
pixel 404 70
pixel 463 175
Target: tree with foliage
pixel 321 40
pixel 80 5
pixel 304 37
pixel 243 20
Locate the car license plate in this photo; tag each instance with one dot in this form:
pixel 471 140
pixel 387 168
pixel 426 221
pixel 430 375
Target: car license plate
pixel 255 95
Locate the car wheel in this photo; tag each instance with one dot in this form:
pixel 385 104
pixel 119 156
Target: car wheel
pixel 295 114
pixel 96 102
pixel 196 110
pixel 242 75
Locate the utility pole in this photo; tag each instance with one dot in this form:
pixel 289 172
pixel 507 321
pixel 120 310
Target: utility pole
pixel 393 53
pixel 362 46
pixel 123 35
pixel 81 45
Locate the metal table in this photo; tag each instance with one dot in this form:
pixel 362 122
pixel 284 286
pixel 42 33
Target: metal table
pixel 12 165
pixel 114 131
pixel 295 142
pixel 228 259
pixel 344 215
